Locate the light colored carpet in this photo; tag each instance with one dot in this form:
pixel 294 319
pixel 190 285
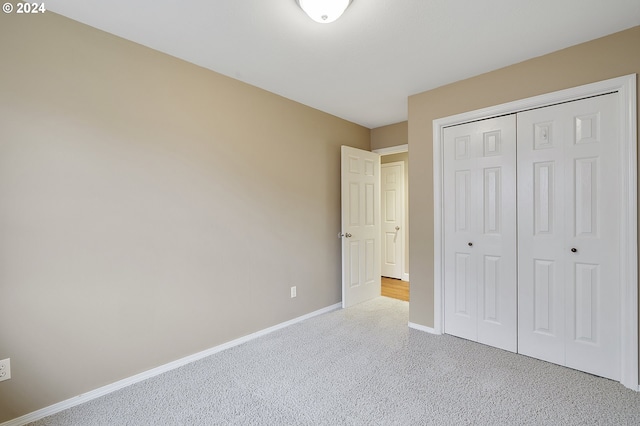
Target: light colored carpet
pixel 363 366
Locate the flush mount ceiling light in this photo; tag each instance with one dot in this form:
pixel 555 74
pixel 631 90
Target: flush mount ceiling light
pixel 324 11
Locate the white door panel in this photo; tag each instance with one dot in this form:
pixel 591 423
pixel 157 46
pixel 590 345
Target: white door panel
pixel 541 321
pixel 392 192
pixel 497 325
pixel 593 271
pixel 480 242
pixel 460 290
pixel 360 226
pixel 568 247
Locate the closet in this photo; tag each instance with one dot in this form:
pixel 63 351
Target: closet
pixel 531 233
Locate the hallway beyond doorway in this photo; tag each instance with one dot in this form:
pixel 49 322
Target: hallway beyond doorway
pixel 395 289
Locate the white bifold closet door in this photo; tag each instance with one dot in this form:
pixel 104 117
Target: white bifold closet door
pixel 480 231
pixel 563 303
pixel 568 249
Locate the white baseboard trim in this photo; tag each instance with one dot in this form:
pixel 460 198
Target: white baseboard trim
pixel 421 328
pixel 405 276
pixel 104 390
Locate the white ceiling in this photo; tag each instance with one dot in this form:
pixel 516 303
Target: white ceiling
pixel 363 66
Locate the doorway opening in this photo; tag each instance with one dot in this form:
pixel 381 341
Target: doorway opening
pixel 361 223
pixel 394 199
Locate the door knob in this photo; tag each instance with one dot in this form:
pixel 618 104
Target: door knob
pixel 470 244
pixel 574 250
pixel 348 235
pixel 397 228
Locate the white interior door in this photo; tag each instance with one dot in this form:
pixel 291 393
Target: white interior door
pixel 480 232
pixel 568 196
pixel 360 226
pixel 392 195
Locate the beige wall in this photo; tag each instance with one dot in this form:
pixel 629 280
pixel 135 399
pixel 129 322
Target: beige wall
pixel 391 135
pixel 404 158
pixel 612 56
pixel 151 209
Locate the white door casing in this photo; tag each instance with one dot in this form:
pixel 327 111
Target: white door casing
pixel 627 165
pixel 360 214
pixel 392 211
pixel 480 232
pixel 568 243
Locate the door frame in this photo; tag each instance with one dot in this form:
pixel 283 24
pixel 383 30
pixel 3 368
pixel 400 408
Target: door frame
pixel 628 220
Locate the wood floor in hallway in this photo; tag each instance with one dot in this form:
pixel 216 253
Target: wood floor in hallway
pixel 396 289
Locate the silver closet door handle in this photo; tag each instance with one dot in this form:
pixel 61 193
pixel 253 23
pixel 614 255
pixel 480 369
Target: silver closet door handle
pixel 574 250
pixel 470 244
pixel 397 228
pixel 348 235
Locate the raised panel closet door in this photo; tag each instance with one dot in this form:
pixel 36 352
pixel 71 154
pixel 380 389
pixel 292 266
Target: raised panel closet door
pixel 592 219
pixel 496 250
pixel 541 272
pixel 568 268
pixel 480 232
pixel 460 224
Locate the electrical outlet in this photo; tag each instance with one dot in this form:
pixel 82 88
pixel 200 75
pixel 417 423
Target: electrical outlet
pixel 5 369
pixel 293 291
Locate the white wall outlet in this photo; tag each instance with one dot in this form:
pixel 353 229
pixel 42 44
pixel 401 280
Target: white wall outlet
pixel 5 369
pixel 293 291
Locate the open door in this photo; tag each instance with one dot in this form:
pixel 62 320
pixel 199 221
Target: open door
pixel 360 226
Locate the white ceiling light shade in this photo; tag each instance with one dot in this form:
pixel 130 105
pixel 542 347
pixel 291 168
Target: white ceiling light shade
pixel 324 11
